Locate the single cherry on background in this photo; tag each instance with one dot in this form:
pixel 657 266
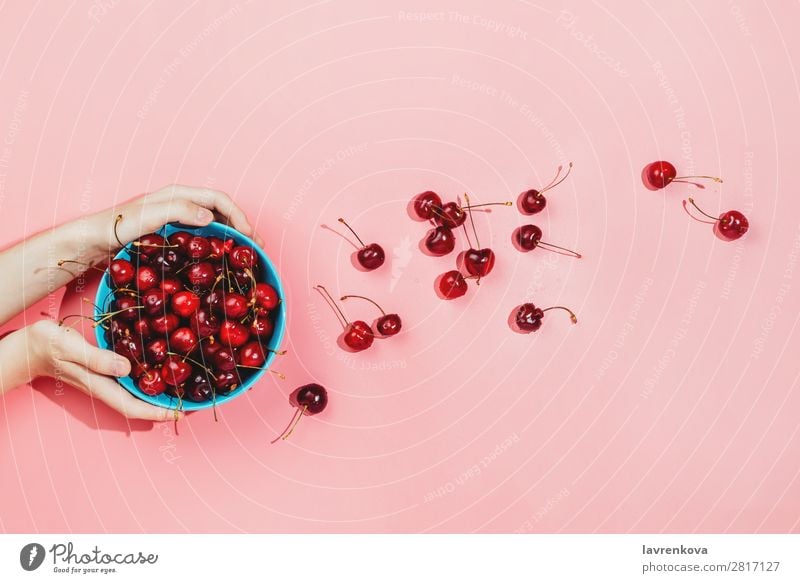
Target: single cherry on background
pixel 730 225
pixel 310 399
pixel 358 335
pixel 388 324
pixel 528 317
pixel 453 214
pixel 452 285
pixel 660 174
pixel 440 240
pixel 533 201
pixel 529 237
pixel 478 262
pixel 426 203
pixel 370 256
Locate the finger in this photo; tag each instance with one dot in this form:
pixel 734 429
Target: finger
pixel 215 200
pixel 116 397
pixel 74 348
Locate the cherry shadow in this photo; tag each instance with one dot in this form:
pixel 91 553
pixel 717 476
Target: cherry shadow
pixel 647 184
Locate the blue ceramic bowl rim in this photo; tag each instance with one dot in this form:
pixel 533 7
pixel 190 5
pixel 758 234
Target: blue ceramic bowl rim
pixel 104 297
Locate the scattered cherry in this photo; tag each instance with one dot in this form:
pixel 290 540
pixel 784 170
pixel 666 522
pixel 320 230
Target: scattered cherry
pixel 370 256
pixel 528 317
pixel 357 335
pixel 426 204
pixel 529 237
pixel 440 240
pixel 388 324
pixel 452 285
pixel 661 174
pixel 533 201
pixel 309 400
pixel 731 225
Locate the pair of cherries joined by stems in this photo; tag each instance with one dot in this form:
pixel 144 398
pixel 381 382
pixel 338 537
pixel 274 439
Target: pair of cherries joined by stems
pixel 730 225
pixel 358 335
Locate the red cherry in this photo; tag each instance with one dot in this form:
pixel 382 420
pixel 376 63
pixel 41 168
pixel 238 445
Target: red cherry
pixel 452 285
pixel 388 324
pixel 528 317
pixel 358 335
pixel 235 305
pixel 450 215
pixel 426 204
pixel 204 323
pixel 164 324
pixel 129 347
pixel 167 262
pixel 175 371
pixel 198 388
pixel 153 301
pixel 171 285
pixel 180 239
pixel 310 400
pixel 141 329
pixel 261 327
pixel 217 248
pixel 660 174
pixel 140 368
pixel 198 247
pixel 243 257
pixel 233 333
pixel 730 225
pixel 183 340
pixel 264 295
pixel 533 201
pixel 128 308
pixel 528 237
pixel 223 359
pixel 479 262
pixel 225 381
pixel 370 256
pixel 201 275
pixel 152 383
pixel 146 278
pixel 440 241
pixel 151 245
pixel 122 272
pixel 185 303
pixel 252 355
pixel 156 351
pixel 210 348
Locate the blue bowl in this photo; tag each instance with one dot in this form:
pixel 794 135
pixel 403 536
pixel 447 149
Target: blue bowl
pixel 269 275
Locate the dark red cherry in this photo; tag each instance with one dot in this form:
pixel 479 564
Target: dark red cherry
pixel 450 215
pixel 217 248
pixel 198 248
pixel 235 305
pixel 528 237
pixel 440 240
pixel 358 335
pixel 167 262
pixel 122 272
pixel 153 301
pixel 452 285
pixel 261 327
pixel 201 275
pixel 171 285
pixel 183 340
pixel 214 300
pixel 146 278
pixel 164 324
pixel 116 328
pixel 225 380
pixel 479 262
pixel 180 239
pixel 152 383
pixel 264 295
pixel 426 204
pixel 129 347
pixel 369 256
pixel 175 371
pixel 185 303
pixel 151 245
pixel 128 308
pixel 533 201
pixel 660 173
pixel 387 324
pixel 140 368
pixel 732 225
pixel 243 257
pixel 156 351
pixel 252 355
pixel 198 388
pixel 233 333
pixel 141 328
pixel 223 359
pixel 312 397
pixel 204 323
pixel 528 317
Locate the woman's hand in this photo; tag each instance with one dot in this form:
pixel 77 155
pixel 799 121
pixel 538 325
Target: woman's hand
pixel 47 349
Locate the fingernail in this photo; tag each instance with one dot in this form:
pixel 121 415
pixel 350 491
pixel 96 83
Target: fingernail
pixel 204 215
pixel 121 367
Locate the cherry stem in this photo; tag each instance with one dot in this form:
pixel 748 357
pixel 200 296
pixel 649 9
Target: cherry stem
pixel 61 262
pixel 572 315
pixel 472 221
pixel 331 302
pixel 341 220
pixel 691 201
pixel 280 375
pixel 475 206
pixel 192 360
pixel 551 247
pixel 116 235
pixel 292 424
pixel 555 182
pixel 684 178
pixel 466 234
pixel 374 303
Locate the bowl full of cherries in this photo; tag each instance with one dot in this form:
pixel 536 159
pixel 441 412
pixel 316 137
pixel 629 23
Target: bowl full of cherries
pixel 198 311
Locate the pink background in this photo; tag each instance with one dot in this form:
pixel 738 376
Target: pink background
pixel 672 406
